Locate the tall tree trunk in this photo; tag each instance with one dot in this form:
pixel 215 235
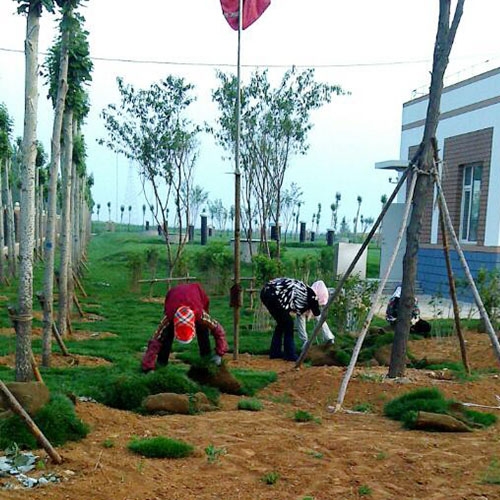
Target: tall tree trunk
pixel 423 191
pixel 3 277
pixel 27 219
pixel 51 218
pixel 10 236
pixel 65 238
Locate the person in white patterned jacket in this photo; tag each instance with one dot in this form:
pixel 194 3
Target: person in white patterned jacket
pixel 284 297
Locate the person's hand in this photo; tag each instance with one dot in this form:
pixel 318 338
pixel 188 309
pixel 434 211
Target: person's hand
pixel 217 359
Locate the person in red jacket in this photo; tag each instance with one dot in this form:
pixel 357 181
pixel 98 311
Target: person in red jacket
pixel 186 316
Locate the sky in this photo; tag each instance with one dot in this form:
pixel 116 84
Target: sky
pixel 381 52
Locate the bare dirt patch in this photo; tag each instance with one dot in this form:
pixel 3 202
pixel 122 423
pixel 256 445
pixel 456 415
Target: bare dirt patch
pixel 339 456
pixel 58 360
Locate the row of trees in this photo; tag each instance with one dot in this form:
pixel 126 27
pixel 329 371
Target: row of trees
pixel 60 186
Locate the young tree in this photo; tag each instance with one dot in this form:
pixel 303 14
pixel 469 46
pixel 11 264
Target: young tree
pixel 424 160
pixel 33 10
pixel 359 200
pixel 275 124
pixel 291 199
pixel 318 216
pixel 196 199
pixel 149 127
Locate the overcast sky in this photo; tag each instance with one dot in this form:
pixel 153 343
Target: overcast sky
pixel 379 51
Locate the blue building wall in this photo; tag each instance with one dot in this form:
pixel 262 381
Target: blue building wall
pixel 432 275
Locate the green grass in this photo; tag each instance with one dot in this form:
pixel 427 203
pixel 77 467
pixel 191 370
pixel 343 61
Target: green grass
pixel 250 404
pixel 405 408
pixel 160 447
pixel 57 420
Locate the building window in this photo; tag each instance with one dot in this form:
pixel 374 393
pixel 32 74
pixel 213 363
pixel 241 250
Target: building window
pixel 471 194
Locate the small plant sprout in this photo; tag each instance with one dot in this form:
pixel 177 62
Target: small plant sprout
pixel 213 453
pixel 305 416
pixel 270 478
pixel 364 490
pixel 108 443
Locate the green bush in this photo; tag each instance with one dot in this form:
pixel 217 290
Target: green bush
pixel 265 269
pixel 160 447
pixel 57 420
pixel 250 404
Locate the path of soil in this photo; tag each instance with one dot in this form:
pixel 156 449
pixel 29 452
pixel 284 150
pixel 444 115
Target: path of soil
pixel 340 456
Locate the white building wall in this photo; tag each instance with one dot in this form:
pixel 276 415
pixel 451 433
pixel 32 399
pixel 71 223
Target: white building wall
pixel 478 119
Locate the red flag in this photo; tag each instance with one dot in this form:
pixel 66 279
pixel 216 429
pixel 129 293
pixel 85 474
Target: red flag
pixel 252 10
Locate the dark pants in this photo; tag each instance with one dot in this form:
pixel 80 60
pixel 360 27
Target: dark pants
pixel 167 338
pixel 421 327
pixel 283 332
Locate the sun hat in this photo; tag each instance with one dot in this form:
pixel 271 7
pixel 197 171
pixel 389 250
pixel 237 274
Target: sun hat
pixel 321 291
pixel 184 327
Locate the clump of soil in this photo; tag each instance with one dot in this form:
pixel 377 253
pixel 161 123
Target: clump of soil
pixel 219 377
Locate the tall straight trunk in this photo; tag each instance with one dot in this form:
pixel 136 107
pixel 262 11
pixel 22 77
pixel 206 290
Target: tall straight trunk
pixel 51 217
pixel 65 238
pixel 41 216
pixel 3 277
pixel 424 159
pixel 10 236
pixel 27 218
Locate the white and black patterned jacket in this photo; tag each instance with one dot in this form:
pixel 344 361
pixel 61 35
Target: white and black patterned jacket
pixel 293 295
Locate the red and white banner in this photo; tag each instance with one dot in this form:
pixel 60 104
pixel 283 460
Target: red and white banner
pixel 252 10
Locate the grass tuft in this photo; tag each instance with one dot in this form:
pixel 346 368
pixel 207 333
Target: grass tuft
pixel 160 447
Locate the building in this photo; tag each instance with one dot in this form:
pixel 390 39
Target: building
pixel 468 138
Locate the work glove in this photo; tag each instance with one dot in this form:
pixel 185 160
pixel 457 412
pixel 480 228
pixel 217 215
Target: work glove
pixel 217 359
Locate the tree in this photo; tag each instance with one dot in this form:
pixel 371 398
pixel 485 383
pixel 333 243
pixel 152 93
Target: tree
pixel 318 216
pixel 359 200
pixel 129 213
pixel 291 199
pixel 33 10
pixel 143 214
pixel 335 210
pixel 149 127
pixel 122 209
pixel 73 156
pixel 5 156
pixel 98 207
pixel 275 124
pixel 383 200
pixel 109 210
pixel 57 74
pixel 424 161
pixel 197 198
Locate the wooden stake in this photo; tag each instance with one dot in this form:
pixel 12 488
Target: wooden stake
pixel 55 331
pixel 36 371
pixel 34 429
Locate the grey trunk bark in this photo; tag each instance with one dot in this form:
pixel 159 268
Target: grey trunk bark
pixel 27 219
pixel 51 223
pixel 65 238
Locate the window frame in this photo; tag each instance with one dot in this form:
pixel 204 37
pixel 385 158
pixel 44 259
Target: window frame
pixel 470 202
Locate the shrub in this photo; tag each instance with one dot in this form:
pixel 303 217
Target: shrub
pixel 160 447
pixel 304 416
pixel 265 269
pixel 57 420
pixel 251 404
